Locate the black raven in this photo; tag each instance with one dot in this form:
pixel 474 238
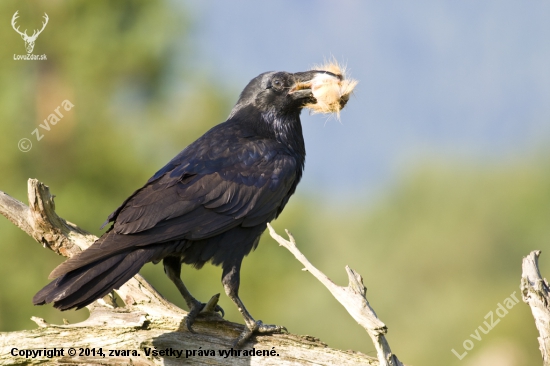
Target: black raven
pixel 210 203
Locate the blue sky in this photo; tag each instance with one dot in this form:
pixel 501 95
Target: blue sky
pixel 438 79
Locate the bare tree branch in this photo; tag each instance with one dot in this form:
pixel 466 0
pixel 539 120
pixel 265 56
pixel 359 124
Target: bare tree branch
pixel 536 293
pixel 40 221
pixel 147 323
pixel 353 298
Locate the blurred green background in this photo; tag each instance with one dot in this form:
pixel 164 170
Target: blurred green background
pixel 439 243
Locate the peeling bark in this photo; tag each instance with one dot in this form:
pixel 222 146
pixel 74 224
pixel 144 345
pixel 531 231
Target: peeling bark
pixel 536 293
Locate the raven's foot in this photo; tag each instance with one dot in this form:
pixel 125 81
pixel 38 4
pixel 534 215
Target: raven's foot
pixel 196 307
pixel 257 327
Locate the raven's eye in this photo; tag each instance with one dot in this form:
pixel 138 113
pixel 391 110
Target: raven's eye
pixel 277 83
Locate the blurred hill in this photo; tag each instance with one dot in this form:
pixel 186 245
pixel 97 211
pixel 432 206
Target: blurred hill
pixel 438 250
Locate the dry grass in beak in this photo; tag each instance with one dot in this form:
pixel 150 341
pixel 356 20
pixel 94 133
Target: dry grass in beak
pixel 332 92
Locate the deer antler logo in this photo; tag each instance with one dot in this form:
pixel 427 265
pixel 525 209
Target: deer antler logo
pixel 29 40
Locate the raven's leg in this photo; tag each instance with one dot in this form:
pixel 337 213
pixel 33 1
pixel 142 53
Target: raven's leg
pixel 231 279
pixel 172 268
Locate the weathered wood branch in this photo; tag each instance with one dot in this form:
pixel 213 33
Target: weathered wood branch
pixel 536 293
pixel 353 298
pixel 147 322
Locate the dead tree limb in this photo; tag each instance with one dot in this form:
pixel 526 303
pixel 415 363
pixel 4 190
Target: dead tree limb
pixel 536 293
pixel 353 298
pixel 147 323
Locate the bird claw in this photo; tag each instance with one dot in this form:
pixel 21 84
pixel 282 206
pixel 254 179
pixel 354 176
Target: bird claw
pixel 189 327
pixel 201 308
pixel 258 327
pixel 219 309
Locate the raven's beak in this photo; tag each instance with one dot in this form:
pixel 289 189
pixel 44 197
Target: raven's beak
pixel 303 83
pixel 327 85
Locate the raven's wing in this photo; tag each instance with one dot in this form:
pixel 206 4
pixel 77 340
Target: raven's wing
pixel 204 197
pixel 215 184
pixel 208 189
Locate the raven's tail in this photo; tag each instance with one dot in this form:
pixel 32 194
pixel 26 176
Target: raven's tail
pixel 84 285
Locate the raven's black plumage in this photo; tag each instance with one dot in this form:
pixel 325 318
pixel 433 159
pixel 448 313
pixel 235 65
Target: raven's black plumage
pixel 210 203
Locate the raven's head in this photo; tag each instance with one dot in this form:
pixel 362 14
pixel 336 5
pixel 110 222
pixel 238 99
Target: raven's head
pixel 323 90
